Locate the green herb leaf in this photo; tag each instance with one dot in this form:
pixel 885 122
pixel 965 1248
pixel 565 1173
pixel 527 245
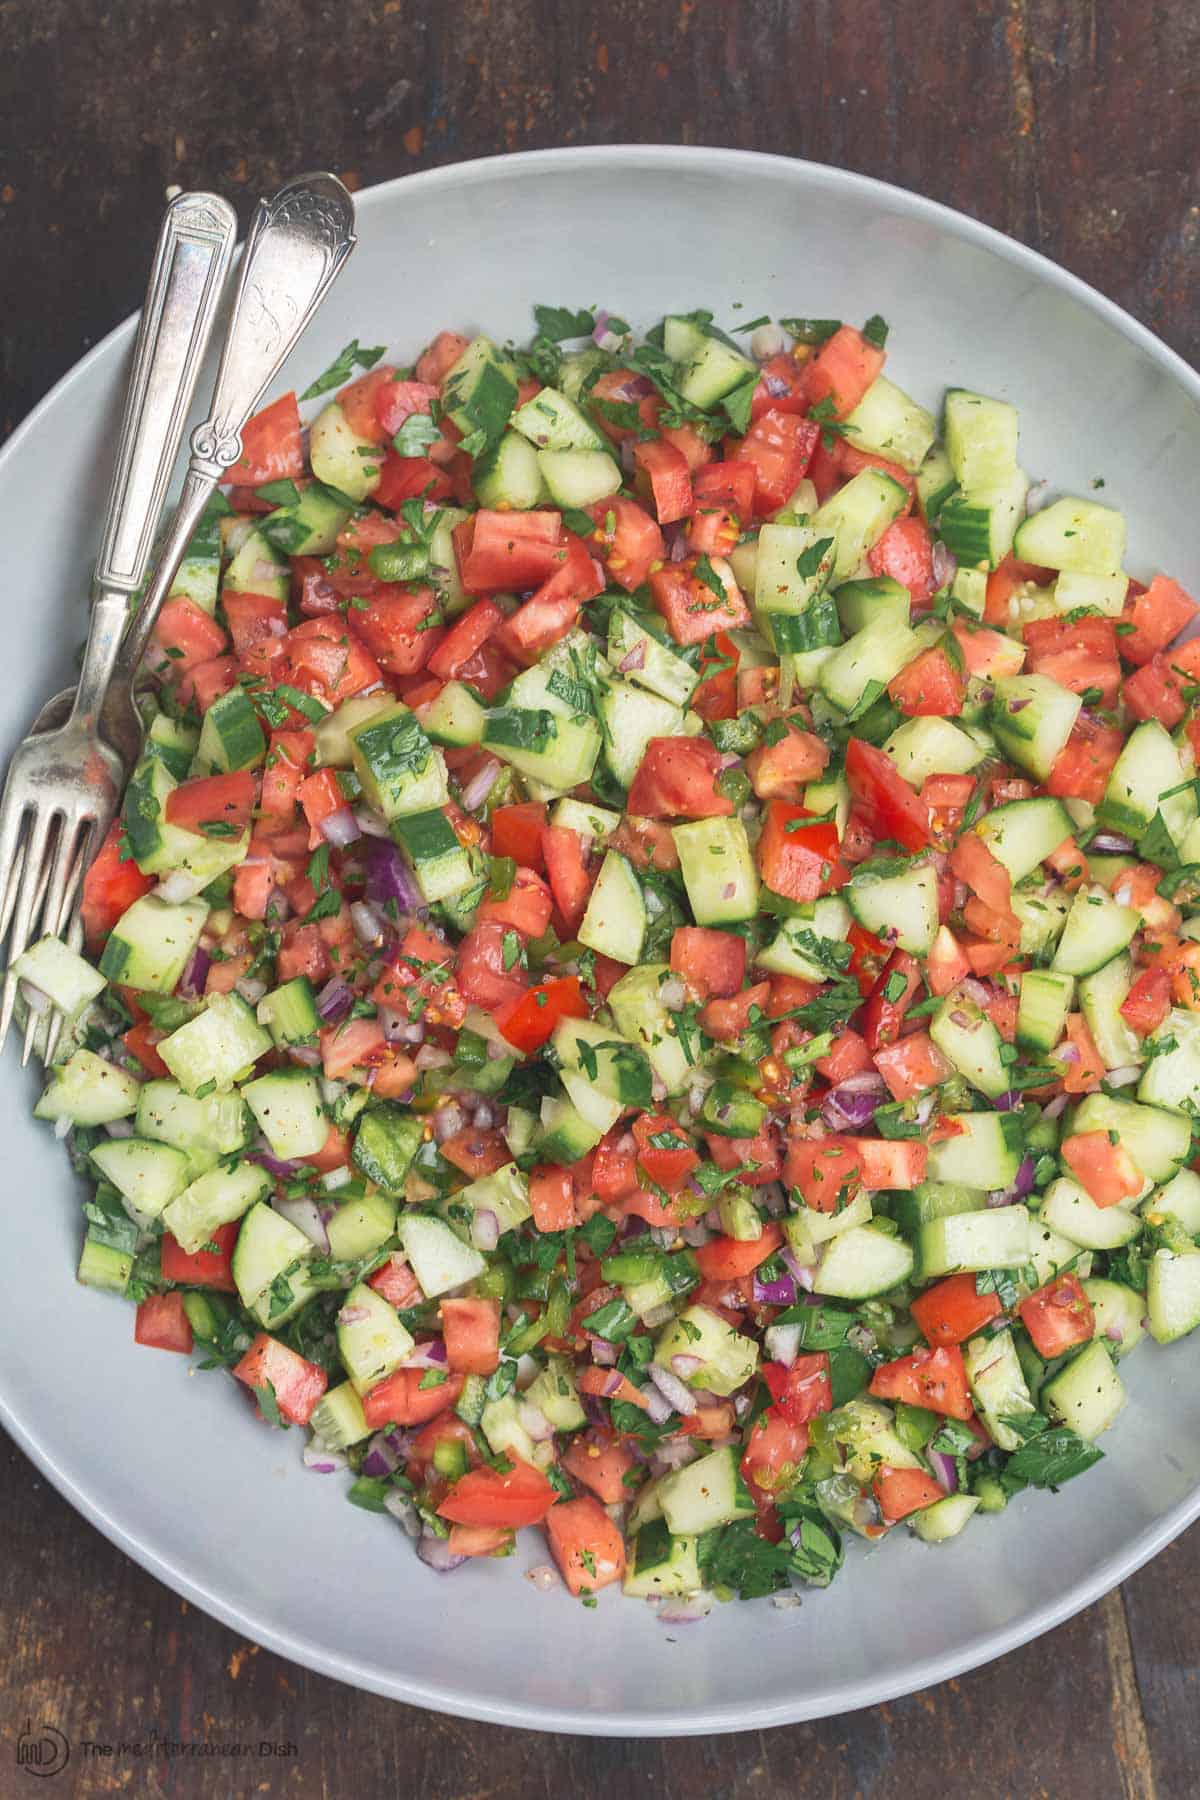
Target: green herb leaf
pixel 342 368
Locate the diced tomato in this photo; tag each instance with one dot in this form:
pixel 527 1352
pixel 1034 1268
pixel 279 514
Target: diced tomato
pixel 677 779
pixel 781 385
pixel 946 965
pixel 713 963
pixel 110 887
pixel 666 478
pixel 912 1066
pixel 359 402
pixel 254 619
pixel 517 832
pixel 323 657
pixel 1008 578
pixel 320 796
pixel 202 1268
pixel 482 977
pixel 973 862
pixel 272 446
pixel 599 1383
pixel 614 1172
pixel 891 1163
pixel 952 1311
pixel 905 552
pixel 725 1258
pixel 827 1171
pixel 988 654
pixel 401 1400
pixel 404 478
pixel 1085 1070
pixel 396 401
pixel 1079 654
pixel 526 907
pixel 1058 1316
pixel 849 1056
pixel 1154 691
pixel 464 638
pixel 552 1198
pixel 627 540
pixel 396 1282
pixel 511 551
pixel 162 1324
pixel 1106 1170
pixel 355 1044
pixel 783 769
pixel 586 1545
pixel 936 1379
pixel 476 1152
pixel 716 696
pixel 1148 1002
pixel 892 808
pixel 1158 615
pixel 900 1492
pixel 435 363
pixel 928 686
pixel 621 388
pixel 758 1159
pixel 850 461
pixel 796 857
pixel 1085 763
pixel 184 637
pixel 842 370
pixel 728 484
pixel 779 445
pixel 801 1389
pixel 727 1019
pixel 471 1329
pixel 478 1540
pixel 528 1022
pixel 567 872
pixel 665 1152
pixel 393 624
pixel 217 806
pixel 887 1003
pixel 598 1462
pixel 692 610
pixel 296 1383
pixel 774 1451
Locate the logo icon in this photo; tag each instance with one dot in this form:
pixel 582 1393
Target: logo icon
pixel 44 1751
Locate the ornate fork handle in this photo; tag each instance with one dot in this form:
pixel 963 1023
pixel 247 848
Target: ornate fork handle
pixel 298 242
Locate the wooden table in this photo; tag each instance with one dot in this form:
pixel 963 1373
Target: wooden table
pixel 1070 125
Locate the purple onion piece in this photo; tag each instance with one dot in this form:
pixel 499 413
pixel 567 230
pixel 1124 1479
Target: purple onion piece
pixel 436 1552
pixel 389 876
pixel 780 1292
pixel 944 1469
pixel 334 1000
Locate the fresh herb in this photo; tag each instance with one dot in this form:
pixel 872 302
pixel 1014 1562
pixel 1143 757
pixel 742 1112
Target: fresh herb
pixel 876 331
pixel 1050 1454
pixel 811 331
pixel 415 435
pixel 810 560
pixel 342 368
pixel 559 322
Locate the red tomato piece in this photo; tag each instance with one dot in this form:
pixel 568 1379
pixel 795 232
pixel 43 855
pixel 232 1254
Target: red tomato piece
pixel 951 1311
pixel 435 363
pixel 297 1383
pixel 886 799
pixel 471 1329
pixel 482 977
pixel 1106 1170
pixel 552 1197
pixel 900 1492
pixel 774 1451
pixel 666 477
pixel 1086 761
pixel 401 1400
pixel 842 370
pixel 272 446
pixel 476 1152
pixel 620 388
pixel 1084 1070
pixel 797 858
pixel 887 1004
pixel 110 887
pixel 692 610
pixel 527 1023
pixel 1058 1316
pixel 713 963
pixel 665 1152
pixel 727 1019
pixel 1006 579
pixel 905 552
pixel 677 779
pixel 519 1496
pixel 390 623
pixel 928 686
pixel 396 1282
pixel 162 1324
pixel 586 1545
pixel 827 1171
pixel 912 1066
pixel 974 863
pixel 782 770
pixel 517 832
pixel 850 461
pixel 627 540
pixel 936 1379
pixel 223 802
pixel 801 1389
pixel 396 401
pixel 526 907
pixel 899 1163
pixel 202 1268
pixel 1148 1002
pixel 184 637
pixel 511 551
pixel 567 872
pixel 781 386
pixel 1158 614
pixel 780 446
pixel 598 1462
pixel 759 1159
pixel 1079 654
pixel 464 638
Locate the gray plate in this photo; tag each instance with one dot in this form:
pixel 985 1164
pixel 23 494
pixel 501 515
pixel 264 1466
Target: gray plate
pixel 172 1465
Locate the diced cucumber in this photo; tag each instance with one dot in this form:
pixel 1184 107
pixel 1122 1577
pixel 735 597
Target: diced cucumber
pixel 1070 1209
pixel 311 525
pixel 794 952
pixel 198 576
pixel 718 870
pixel 860 603
pixel 1097 929
pixel 231 737
pixel 707 1493
pixel 966 1036
pixel 944 1519
pixel 61 974
pixel 1073 534
pixel 618 1068
pixel 205 1128
pixel 480 390
pixel 454 717
pixel 820 1228
pixel 372 1341
pixel 905 906
pixel 866 1431
pixel 101 1266
pixel 440 1260
pixel 997 1385
pixel 1041 918
pixel 934 1200
pixel 216 1047
pixel 985 1151
pixel 978 525
pixel 173 743
pixel 215 1198
pixel 783 551
pixel 1105 593
pixel 1046 999
pixel 88 1091
pixel 858 515
pixel 146 1175
pixel 509 475
pixel 1181 1198
pixel 440 866
pixel 660 1564
pixel 888 422
pixel 981 437
pixel 1024 833
pixel 556 750
pixel 998 1238
pixel 1173 1294
pixel 287 1105
pixel 568 1131
pixel 554 1393
pixel 727 1360
pixel 1087 1395
pixel 338 1420
pixel 552 422
pixel 290 1012
pixel 632 716
pixel 1032 717
pixel 644 660
pixel 1051 1252
pixel 1119 1311
pixel 1158 1141
pixel 360 1227
pixel 268 1246
pixel 152 944
pixel 596 823
pixel 257 568
pixel 387 1139
pixel 713 370
pixel 340 458
pixel 931 746
pixel 1100 997
pixel 862 1262
pixel 936 481
pixel 1147 767
pixel 505 1192
pixel 969 588
pixel 578 477
pixel 859 670
pixel 399 768
pixel 1172 1076
pixel 636 1005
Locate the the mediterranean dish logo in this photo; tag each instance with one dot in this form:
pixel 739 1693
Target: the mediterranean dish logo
pixel 42 1750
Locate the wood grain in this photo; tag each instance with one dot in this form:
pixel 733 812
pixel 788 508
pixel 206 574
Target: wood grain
pixel 1070 124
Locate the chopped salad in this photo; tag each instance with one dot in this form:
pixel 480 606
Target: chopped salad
pixel 647 984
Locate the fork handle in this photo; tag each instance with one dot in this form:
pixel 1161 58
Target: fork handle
pixel 297 244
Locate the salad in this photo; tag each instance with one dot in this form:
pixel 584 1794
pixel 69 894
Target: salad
pixel 647 985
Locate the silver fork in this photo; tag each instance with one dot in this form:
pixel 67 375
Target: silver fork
pixel 63 786
pixel 298 242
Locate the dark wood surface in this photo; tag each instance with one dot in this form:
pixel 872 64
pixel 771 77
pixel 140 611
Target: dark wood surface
pixel 1070 125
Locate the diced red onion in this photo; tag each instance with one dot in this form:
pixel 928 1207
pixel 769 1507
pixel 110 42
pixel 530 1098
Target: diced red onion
pixel 403 1510
pixel 370 926
pixel 195 975
pixel 485 1229
pixel 658 1315
pixel 543 1576
pixel 658 1407
pixel 480 785
pixel 1016 706
pixel 625 454
pixel 428 1353
pixel 119 1128
pixel 851 1104
pixel 782 1343
pixel 436 1552
pixel 321 1460
pixel 334 1000
pixel 675 539
pixel 685 1365
pixel 945 564
pixel 37 1001
pixel 251 989
pixel 687 1611
pixel 179 886
pixel 1114 1334
pixel 780 1292
pixel 340 828
pixel 353 1315
pixel 673 1453
pixel 695 1234
pixel 1068 1053
pixel 1006 1102
pixel 605 1353
pixel 804 1274
pixel 398 1028
pixel 305 1215
pixel 636 658
pixel 389 877
pixel 306 1055
pixel 679 1398
pixel 279 907
pixel 534 1421
pixel 370 823
pixel 380 1458
pixel 448 1121
pixel 1022 1186
pixel 767 341
pixel 1111 843
pixel 1057 1107
pixel 430 1057
pixel 1123 1076
pixel 63 1128
pixel 944 1469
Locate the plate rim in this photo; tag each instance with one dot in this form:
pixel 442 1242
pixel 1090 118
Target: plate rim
pixel 850 1696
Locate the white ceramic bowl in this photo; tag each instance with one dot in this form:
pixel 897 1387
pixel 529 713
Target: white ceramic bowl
pixel 168 1462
